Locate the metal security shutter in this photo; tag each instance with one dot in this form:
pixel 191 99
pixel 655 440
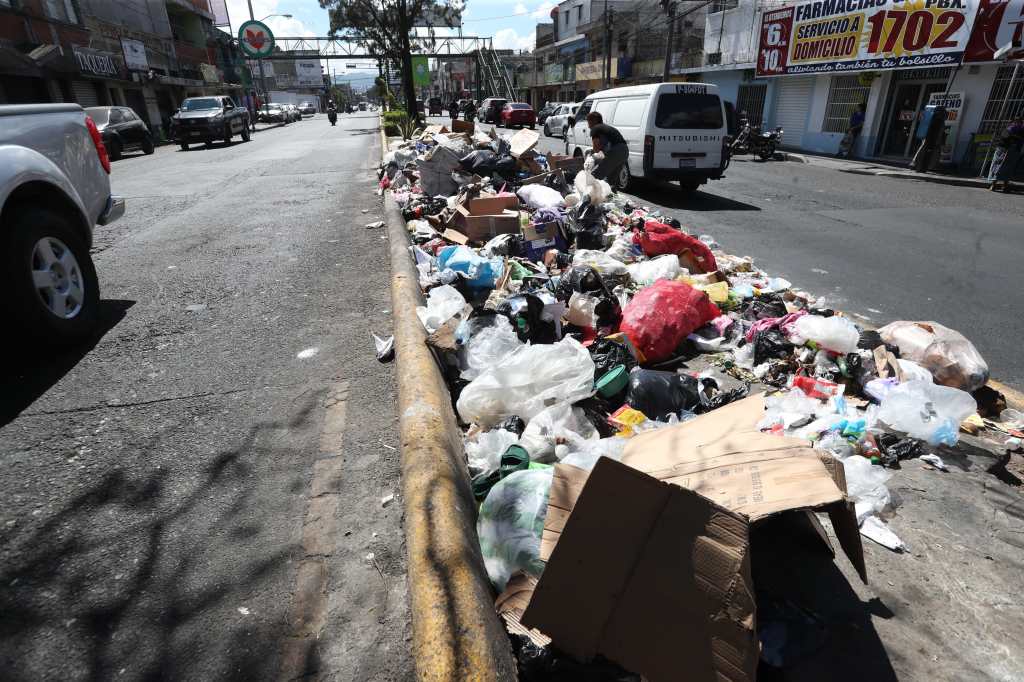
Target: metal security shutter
pixel 794 101
pixel 85 93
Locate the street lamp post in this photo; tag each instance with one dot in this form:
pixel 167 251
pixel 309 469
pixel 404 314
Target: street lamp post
pixel 259 60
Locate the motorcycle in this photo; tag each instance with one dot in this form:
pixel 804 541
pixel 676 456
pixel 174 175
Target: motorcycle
pixel 332 116
pixel 752 141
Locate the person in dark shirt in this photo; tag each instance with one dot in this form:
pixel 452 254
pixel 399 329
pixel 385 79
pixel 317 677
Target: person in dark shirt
pixel 852 132
pixel 612 147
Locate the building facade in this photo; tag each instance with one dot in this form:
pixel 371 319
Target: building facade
pixel 144 54
pixel 812 97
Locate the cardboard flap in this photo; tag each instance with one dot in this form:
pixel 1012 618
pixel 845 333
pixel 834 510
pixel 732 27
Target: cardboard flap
pixel 511 603
pixel 652 576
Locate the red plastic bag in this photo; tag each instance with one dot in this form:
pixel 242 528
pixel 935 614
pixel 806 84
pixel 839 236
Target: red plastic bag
pixel 663 314
pixel 657 239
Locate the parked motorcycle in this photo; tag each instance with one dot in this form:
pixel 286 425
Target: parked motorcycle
pixel 751 140
pixel 332 116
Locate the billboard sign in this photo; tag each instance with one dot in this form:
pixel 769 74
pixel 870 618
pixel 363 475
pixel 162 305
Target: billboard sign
pixel 420 71
pixel 836 36
pixel 256 39
pixel 134 54
pixel 308 73
pixel 999 23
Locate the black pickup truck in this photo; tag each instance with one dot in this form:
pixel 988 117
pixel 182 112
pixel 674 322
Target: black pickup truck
pixel 205 119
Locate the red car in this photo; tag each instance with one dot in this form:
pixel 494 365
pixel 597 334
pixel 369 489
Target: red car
pixel 518 114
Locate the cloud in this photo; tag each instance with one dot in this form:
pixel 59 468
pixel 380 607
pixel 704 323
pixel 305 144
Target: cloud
pixel 543 11
pixel 520 8
pixel 508 39
pixel 292 28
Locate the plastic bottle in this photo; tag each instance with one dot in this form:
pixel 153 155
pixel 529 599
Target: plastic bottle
pixel 817 388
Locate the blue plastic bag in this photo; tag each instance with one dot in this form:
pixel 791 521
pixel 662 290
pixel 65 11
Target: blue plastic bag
pixel 480 272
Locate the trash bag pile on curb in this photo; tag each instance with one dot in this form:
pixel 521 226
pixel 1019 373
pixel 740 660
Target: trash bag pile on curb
pixel 571 322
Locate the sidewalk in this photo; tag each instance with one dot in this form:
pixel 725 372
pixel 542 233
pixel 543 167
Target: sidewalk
pixel 881 169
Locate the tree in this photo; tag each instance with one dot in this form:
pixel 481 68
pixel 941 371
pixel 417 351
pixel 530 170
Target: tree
pixel 386 28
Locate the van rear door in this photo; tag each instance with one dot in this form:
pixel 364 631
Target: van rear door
pixel 687 126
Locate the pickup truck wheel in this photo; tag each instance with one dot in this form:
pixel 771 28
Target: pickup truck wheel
pixel 50 276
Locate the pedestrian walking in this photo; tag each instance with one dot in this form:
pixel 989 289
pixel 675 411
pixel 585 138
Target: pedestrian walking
pixel 852 132
pixel 1007 155
pixel 610 148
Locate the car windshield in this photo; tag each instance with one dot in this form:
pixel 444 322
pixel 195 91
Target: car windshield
pixel 99 115
pixel 200 104
pixel 684 110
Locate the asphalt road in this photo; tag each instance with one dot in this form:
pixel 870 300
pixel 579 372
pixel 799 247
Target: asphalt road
pixel 883 249
pixel 198 493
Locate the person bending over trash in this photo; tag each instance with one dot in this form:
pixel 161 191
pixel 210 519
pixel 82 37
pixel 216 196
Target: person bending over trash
pixel 610 149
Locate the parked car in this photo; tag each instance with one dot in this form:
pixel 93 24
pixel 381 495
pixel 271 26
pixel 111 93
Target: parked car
pixel 205 119
pixel 547 110
pixel 435 106
pixel 293 112
pixel 557 124
pixel 675 131
pixel 518 114
pixel 122 130
pixel 54 187
pixel 307 109
pixel 490 109
pixel 273 113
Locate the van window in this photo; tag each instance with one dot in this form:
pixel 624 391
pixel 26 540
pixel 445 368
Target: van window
pixel 606 107
pixel 584 109
pixel 629 112
pixel 679 110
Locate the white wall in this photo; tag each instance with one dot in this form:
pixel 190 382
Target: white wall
pixel 734 32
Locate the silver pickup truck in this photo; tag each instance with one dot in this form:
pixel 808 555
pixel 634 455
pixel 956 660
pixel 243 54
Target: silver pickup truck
pixel 54 187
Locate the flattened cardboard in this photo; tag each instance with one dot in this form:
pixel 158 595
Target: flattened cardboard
pixel 463 127
pixel 511 603
pixel 480 228
pixel 653 577
pixel 493 205
pixel 545 231
pixel 455 236
pixel 523 141
pixel 572 164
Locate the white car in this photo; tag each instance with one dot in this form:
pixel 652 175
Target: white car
pixel 557 124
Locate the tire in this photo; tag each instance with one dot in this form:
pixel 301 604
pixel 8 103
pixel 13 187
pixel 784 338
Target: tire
pixel 533 126
pixel 767 153
pixel 184 146
pixel 207 143
pixel 624 179
pixel 689 186
pixel 227 135
pixel 147 145
pixel 114 150
pixel 74 286
pixel 547 131
pixel 245 133
pixel 577 153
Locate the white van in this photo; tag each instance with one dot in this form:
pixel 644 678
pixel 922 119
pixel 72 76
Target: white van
pixel 675 131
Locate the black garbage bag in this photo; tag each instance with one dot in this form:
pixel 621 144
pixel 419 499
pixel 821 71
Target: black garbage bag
pixel 582 278
pixel 597 410
pixel 514 424
pixel 586 225
pixel 607 354
pixel 506 167
pixel 548 664
pixel 722 398
pixel 480 161
pixel 524 312
pixel 660 394
pixel 894 449
pixel 771 344
pixel 764 306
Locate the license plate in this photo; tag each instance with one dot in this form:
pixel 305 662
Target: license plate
pixel 687 163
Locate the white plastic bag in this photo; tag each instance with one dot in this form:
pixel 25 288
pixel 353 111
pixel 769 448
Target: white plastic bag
pixel 586 184
pixel 558 423
pixel 623 249
pixel 585 455
pixel 582 309
pixel 865 485
pixel 834 333
pixel 537 196
pixel 525 382
pixel 511 522
pixel 487 347
pixel 649 271
pixel 600 261
pixel 483 453
pixel 946 353
pixel 927 411
pixel 443 303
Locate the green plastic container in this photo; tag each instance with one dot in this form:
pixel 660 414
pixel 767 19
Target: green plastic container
pixel 613 381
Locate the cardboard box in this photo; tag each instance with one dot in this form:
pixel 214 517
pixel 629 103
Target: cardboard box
pixel 543 231
pixel 570 164
pixel 463 127
pixel 493 205
pixel 666 537
pixel 480 228
pixel 522 142
pixel 455 236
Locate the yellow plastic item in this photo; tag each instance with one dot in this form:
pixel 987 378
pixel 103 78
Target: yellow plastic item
pixel 717 292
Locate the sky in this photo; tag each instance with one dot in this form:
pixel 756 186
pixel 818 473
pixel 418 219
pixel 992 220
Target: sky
pixel 510 24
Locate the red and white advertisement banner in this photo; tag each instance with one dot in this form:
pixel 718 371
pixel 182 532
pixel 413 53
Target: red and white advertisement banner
pixel 999 23
pixel 836 36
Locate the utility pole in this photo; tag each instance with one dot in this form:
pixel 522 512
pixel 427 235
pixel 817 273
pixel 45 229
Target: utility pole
pixel 609 17
pixel 259 60
pixel 671 7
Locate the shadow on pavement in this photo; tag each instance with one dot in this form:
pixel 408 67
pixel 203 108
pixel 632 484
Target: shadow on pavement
pixel 146 569
pixel 671 196
pixel 27 373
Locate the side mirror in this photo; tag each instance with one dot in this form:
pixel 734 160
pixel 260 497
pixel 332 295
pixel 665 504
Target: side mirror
pixel 572 121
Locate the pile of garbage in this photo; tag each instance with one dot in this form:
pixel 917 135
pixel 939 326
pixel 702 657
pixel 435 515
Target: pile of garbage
pixel 637 404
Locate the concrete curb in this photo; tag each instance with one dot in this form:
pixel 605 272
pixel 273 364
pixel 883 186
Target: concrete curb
pixel 797 158
pixel 456 634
